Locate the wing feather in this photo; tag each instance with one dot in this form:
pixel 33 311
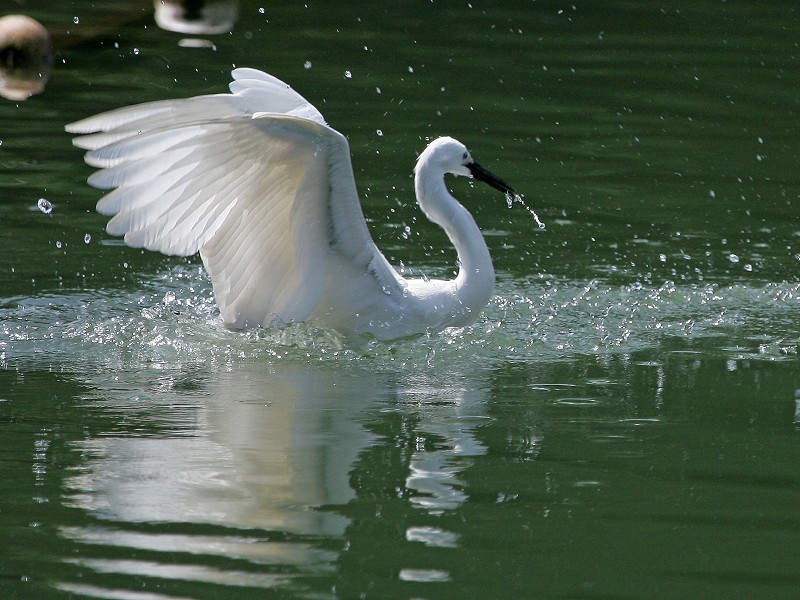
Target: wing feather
pixel 253 180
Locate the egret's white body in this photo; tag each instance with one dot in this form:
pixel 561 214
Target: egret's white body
pixel 260 186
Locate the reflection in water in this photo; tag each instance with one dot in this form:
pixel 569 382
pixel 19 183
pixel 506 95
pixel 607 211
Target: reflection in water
pixel 433 472
pixel 259 461
pixel 257 450
pixel 222 459
pixel 797 407
pixel 248 463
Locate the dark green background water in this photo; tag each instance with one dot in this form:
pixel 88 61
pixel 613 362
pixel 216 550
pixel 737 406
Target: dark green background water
pixel 622 422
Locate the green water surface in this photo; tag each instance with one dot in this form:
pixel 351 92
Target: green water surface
pixel 623 421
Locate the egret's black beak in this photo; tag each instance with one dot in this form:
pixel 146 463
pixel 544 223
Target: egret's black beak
pixel 481 174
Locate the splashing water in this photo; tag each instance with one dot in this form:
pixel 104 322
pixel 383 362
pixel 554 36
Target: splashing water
pixel 173 322
pixel 510 199
pixel 45 206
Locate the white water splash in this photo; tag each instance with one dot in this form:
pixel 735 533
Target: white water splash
pixel 511 199
pixel 174 321
pixel 45 206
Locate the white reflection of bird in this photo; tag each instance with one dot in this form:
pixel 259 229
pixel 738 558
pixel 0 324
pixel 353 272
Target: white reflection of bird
pixel 263 189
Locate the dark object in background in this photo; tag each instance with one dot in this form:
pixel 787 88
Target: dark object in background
pixel 26 57
pixel 196 17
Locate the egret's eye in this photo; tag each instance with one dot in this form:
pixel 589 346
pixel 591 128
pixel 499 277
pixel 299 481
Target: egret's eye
pixel 464 157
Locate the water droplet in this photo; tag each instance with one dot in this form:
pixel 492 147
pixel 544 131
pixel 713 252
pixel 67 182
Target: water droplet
pixel 379 132
pixel 76 20
pixel 87 239
pixel 733 258
pixel 377 90
pixel 136 52
pixel 348 74
pixel 58 244
pixel 510 199
pixel 262 10
pixel 712 194
pixel 45 206
pixel 410 69
pixel 307 64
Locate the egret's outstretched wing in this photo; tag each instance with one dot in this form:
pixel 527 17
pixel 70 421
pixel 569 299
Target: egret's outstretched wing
pixel 254 181
pixel 252 92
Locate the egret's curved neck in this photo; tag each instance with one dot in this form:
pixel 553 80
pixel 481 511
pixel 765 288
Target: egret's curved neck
pixel 475 281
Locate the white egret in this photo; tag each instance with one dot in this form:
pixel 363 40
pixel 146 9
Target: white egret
pixel 260 186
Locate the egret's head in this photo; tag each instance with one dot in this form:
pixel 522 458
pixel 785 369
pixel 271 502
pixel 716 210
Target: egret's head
pixel 451 156
pixel 447 155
